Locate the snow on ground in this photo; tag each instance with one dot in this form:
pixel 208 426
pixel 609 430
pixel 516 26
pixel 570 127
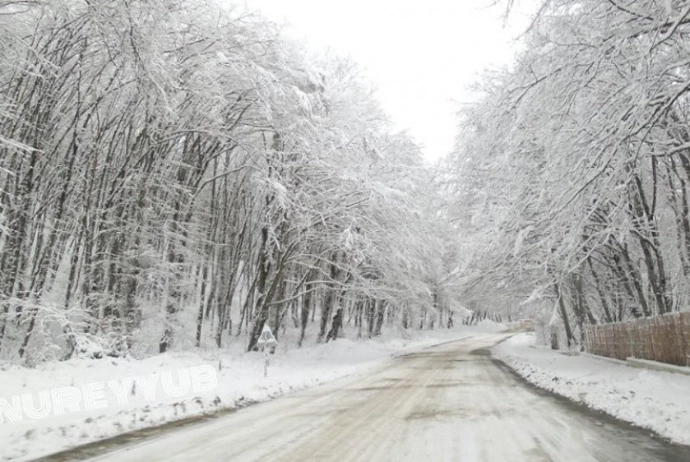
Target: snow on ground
pixel 490 326
pixel 656 400
pixel 64 404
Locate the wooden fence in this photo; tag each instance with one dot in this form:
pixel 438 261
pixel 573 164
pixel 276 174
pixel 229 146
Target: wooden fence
pixel 663 338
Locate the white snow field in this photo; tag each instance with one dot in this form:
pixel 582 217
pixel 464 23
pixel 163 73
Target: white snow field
pixel 59 405
pixel 659 401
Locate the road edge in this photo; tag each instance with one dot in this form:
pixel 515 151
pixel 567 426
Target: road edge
pixel 579 406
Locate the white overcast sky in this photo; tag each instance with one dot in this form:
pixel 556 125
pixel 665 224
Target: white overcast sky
pixel 420 55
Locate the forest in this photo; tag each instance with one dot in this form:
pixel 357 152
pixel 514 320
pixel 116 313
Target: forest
pixel 572 172
pixel 178 174
pixel 175 174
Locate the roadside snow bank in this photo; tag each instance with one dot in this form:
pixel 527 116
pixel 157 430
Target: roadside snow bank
pixel 65 404
pixel 659 401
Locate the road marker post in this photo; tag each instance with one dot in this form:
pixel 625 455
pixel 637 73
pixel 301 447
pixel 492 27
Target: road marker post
pixel 267 342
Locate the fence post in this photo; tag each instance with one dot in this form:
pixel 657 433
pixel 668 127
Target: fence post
pixel 629 329
pixel 684 333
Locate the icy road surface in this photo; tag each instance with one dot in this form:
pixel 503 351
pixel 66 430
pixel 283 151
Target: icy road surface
pixel 448 403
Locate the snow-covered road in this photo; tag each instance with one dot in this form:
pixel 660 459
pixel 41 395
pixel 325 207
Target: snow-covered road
pixel 450 402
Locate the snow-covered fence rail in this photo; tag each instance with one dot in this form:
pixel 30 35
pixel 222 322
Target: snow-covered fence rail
pixel 663 338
